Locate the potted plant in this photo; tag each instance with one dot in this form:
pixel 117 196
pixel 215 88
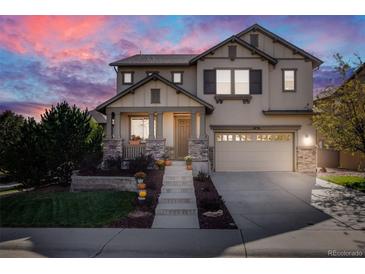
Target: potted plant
pixel 160 164
pixel 140 176
pixel 168 162
pixel 142 196
pixel 188 160
pixel 135 140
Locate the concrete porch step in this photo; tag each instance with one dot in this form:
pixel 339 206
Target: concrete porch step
pixel 176 209
pixel 178 163
pixel 176 198
pixel 167 221
pixel 177 189
pixel 178 183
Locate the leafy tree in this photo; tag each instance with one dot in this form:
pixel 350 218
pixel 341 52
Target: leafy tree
pixel 340 115
pixel 10 124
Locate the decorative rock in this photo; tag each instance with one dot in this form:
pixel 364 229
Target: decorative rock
pixel 213 214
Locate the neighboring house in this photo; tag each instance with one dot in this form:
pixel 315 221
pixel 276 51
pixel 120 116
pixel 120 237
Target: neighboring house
pixel 99 118
pixel 243 105
pixel 327 157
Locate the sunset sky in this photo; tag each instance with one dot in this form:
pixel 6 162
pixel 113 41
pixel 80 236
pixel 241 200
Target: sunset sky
pixel 47 59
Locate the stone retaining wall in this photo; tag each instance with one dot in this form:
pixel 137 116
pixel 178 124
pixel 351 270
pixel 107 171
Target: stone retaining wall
pixel 306 159
pixel 97 183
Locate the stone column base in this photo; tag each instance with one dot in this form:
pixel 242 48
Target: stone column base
pixel 156 148
pixel 306 159
pixel 199 150
pixel 112 149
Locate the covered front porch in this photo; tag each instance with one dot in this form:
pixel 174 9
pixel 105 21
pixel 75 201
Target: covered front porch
pixel 160 131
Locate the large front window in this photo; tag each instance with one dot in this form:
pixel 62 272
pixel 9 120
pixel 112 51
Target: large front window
pixel 140 127
pixel 223 81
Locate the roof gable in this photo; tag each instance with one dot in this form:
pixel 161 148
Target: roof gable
pixel 236 39
pixel 256 27
pixel 153 77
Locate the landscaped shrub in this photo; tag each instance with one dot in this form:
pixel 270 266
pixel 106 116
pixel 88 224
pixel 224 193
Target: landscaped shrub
pixel 63 173
pixel 141 163
pixel 202 176
pixel 114 163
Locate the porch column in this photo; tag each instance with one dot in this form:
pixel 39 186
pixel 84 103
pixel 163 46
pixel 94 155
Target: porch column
pixel 117 125
pixel 193 124
pixel 202 125
pixel 159 125
pixel 151 134
pixel 108 124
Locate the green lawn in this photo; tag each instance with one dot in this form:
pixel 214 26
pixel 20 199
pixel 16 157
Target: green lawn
pixel 348 181
pixel 69 209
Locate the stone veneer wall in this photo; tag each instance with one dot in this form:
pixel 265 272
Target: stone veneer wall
pixel 112 148
pixel 211 157
pixel 156 147
pixel 306 159
pixel 199 150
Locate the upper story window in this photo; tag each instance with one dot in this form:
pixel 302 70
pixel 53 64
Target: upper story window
pixel 155 96
pixel 241 81
pixel 254 40
pixel 289 80
pixel 224 81
pixel 233 81
pixel 127 77
pixel 177 77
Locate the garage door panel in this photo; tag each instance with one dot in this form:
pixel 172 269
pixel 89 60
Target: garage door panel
pixel 270 154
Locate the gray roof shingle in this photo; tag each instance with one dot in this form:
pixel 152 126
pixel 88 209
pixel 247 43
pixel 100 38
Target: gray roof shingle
pixel 155 60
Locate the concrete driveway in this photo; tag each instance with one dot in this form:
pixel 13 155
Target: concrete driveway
pixel 275 211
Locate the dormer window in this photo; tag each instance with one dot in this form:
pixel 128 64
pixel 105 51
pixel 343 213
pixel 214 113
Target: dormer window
pixel 254 40
pixel 177 77
pixel 127 77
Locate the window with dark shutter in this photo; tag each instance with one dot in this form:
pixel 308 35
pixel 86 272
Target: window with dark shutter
pixel 210 81
pixel 256 81
pixel 254 40
pixel 232 52
pixel 155 96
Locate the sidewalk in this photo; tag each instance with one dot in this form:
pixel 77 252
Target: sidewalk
pixel 167 243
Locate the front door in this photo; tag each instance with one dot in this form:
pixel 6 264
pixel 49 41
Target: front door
pixel 182 135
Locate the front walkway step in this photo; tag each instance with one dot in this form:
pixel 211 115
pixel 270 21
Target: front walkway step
pixel 176 209
pixel 176 206
pixel 165 221
pixel 178 163
pixel 176 198
pixel 177 189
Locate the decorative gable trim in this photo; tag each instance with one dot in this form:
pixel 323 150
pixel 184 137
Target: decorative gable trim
pixel 153 77
pixel 277 39
pixel 236 39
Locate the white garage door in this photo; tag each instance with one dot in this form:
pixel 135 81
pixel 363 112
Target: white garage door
pixel 254 151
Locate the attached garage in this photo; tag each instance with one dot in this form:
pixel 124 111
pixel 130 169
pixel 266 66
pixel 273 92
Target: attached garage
pixel 249 151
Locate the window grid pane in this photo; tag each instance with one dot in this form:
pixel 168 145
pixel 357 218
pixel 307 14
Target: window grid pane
pixel 289 79
pixel 223 82
pixel 177 77
pixel 127 77
pixel 241 85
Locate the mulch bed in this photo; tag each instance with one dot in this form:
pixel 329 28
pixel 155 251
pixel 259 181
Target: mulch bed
pixel 208 199
pixel 154 184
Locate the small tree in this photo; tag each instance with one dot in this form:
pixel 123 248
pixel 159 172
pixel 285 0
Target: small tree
pixel 10 124
pixel 340 117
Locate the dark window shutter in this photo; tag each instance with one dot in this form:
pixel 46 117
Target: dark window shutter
pixel 256 81
pixel 232 52
pixel 155 96
pixel 210 81
pixel 254 40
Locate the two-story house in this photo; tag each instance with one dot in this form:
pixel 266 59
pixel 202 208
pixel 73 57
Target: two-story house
pixel 243 105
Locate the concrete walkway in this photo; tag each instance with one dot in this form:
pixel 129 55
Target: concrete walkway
pixel 177 203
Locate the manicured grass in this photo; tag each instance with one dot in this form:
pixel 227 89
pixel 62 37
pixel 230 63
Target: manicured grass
pixel 65 209
pixel 354 182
